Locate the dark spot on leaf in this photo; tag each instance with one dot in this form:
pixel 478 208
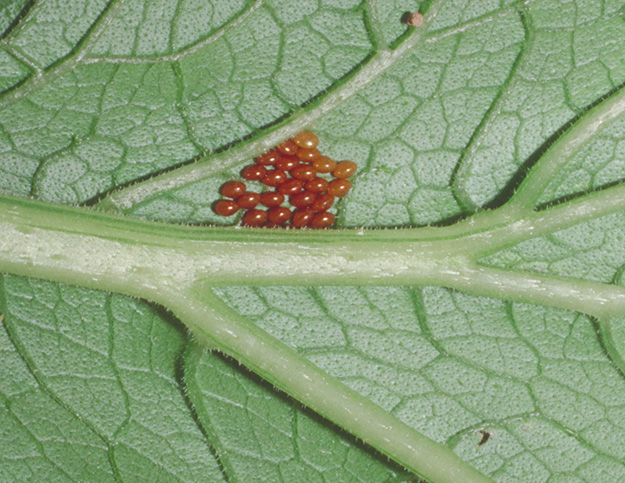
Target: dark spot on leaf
pixel 485 437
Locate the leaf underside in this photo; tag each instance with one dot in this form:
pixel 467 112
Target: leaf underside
pixel 127 95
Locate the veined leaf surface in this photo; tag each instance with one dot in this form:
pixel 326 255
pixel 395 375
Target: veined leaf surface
pixel 483 330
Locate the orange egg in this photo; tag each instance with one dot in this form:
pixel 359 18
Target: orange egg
pixel 306 140
pixel 345 169
pixel 339 187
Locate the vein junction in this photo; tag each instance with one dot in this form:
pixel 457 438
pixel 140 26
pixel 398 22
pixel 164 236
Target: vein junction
pixel 176 266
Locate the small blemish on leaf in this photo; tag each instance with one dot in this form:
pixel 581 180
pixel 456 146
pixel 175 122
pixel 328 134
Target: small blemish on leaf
pixel 414 19
pixel 485 437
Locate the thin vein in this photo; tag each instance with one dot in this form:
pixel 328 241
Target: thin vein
pixel 27 13
pixel 227 27
pixel 592 206
pixel 44 78
pixel 19 55
pixel 593 122
pixel 476 22
pixel 43 387
pixel 375 28
pixel 466 160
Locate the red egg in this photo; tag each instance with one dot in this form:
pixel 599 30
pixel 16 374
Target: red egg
pixel 305 198
pixel 302 217
pixel 271 198
pixel 254 217
pixel 291 187
pixel 226 207
pixel 322 220
pixel 254 172
pixel 279 215
pixel 248 200
pixel 233 189
pixel 274 178
pixel 268 158
pixel 323 202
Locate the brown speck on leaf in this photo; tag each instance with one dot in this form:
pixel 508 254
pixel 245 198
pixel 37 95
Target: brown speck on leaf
pixel 415 19
pixel 485 437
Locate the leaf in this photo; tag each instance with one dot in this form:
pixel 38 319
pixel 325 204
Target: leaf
pixel 279 439
pixel 80 356
pixel 494 329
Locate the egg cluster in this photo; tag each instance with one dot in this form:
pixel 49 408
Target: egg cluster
pixel 290 172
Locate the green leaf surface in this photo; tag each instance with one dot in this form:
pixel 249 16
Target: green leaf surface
pixel 465 365
pixel 482 341
pixel 107 366
pixel 262 435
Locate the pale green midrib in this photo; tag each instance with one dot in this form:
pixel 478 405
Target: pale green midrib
pixel 67 63
pixel 209 318
pixel 94 249
pixel 486 232
pixel 135 257
pixel 211 164
pixel 94 222
pixel 168 264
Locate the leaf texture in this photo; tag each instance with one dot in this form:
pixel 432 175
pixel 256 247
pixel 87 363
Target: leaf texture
pixel 149 107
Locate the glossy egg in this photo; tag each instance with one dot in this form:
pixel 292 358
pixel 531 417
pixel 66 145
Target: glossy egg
pixel 324 164
pixel 254 218
pixel 306 140
pixel 302 217
pixel 254 172
pixel 339 187
pixel 272 198
pixel 274 178
pixel 322 220
pixel 233 189
pixel 248 200
pixel 226 207
pixel 345 169
pixel 279 215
